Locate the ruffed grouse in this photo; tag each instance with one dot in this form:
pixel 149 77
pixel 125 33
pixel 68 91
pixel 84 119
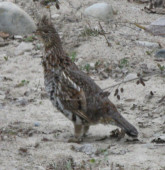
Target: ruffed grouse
pixel 72 91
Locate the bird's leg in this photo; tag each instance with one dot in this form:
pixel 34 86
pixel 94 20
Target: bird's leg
pixel 78 134
pixel 85 129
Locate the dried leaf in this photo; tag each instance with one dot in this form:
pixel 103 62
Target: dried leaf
pixel 142 82
pixel 122 90
pixel 151 93
pixel 118 97
pixel 137 82
pixel 116 92
pixel 138 74
pixel 22 150
pixel 57 6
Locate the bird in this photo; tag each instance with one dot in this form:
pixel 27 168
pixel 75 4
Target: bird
pixel 73 92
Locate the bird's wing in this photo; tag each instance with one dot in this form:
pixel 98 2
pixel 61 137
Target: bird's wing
pixel 75 98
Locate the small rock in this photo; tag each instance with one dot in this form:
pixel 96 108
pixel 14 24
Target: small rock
pixel 18 37
pixel 118 70
pixel 14 20
pixel 1 39
pixel 92 65
pixel 101 11
pixel 160 139
pixel 22 101
pixel 23 47
pixel 148 44
pixel 103 75
pixel 86 148
pixel 130 76
pixel 157 27
pixel 36 124
pixel 55 16
pixel 160 53
pixel 2 44
pixel 124 70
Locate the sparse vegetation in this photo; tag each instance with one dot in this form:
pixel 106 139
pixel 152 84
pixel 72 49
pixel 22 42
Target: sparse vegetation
pixel 87 68
pixel 73 56
pixel 161 68
pixel 123 63
pixel 29 38
pixel 90 32
pixel 6 58
pixel 149 52
pixel 22 83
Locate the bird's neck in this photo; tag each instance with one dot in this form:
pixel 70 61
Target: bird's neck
pixel 55 58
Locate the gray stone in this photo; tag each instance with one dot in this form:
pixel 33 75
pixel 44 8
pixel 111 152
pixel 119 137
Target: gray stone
pixel 160 139
pixel 157 27
pixel 1 39
pixel 130 76
pixel 14 20
pixel 55 16
pixel 147 44
pixel 86 148
pixel 23 47
pixel 160 53
pixel 18 37
pixel 101 11
pixel 22 101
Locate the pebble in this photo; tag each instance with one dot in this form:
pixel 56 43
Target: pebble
pixel 1 39
pixel 92 65
pixel 103 75
pixel 36 124
pixel 101 11
pixel 130 76
pixel 23 47
pixel 14 20
pixel 160 139
pixel 86 148
pixel 160 53
pixel 18 37
pixel 157 27
pixel 148 44
pixel 55 16
pixel 22 101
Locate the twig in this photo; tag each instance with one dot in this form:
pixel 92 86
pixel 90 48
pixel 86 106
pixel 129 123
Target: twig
pixel 140 26
pixel 124 82
pixel 103 33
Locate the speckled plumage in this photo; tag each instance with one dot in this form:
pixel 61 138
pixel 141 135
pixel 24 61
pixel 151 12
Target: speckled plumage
pixel 73 92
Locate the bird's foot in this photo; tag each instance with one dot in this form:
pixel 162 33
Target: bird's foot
pixel 75 140
pixel 117 134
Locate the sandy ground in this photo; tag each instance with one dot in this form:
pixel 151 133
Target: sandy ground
pixel 33 134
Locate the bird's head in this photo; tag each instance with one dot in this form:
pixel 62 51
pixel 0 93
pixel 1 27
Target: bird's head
pixel 47 33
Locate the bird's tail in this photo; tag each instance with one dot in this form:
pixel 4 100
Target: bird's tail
pixel 121 122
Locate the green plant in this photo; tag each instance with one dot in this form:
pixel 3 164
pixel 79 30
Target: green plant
pixel 22 83
pixel 149 52
pixel 29 39
pixel 73 56
pixel 69 165
pixel 6 58
pixel 87 67
pixel 123 63
pixel 92 160
pixel 162 68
